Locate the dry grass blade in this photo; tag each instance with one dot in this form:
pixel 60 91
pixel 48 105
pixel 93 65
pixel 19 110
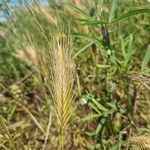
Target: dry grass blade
pixel 42 11
pixel 34 58
pixel 143 142
pixel 62 82
pixel 29 55
pixel 47 132
pixel 4 147
pixel 32 117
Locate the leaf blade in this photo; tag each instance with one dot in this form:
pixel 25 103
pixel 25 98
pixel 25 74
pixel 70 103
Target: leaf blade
pixel 146 59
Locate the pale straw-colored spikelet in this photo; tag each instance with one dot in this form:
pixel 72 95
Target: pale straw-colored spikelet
pixel 46 14
pixel 29 55
pixel 33 57
pixel 62 83
pixel 142 141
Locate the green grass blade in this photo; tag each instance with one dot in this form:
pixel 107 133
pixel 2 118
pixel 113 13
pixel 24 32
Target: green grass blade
pixel 101 125
pixel 90 117
pixel 4 126
pixel 131 13
pixel 146 59
pixel 112 11
pixel 130 50
pixel 10 115
pixel 92 22
pixel 98 105
pixel 92 105
pixel 84 36
pixel 34 119
pixel 87 37
pixel 100 6
pixel 83 49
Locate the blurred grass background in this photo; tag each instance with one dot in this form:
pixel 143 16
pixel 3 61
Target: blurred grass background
pixel 109 42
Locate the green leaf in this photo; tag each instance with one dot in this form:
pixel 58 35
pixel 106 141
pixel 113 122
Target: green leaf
pixel 11 113
pixel 101 125
pixel 131 13
pixel 98 105
pixel 129 50
pixel 115 61
pixel 84 36
pixel 90 117
pixel 145 59
pixel 4 126
pixel 112 11
pixel 94 107
pixel 100 6
pixel 83 49
pixel 146 72
pixel 91 22
pixel 114 147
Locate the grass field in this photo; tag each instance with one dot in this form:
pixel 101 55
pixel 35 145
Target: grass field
pixel 75 75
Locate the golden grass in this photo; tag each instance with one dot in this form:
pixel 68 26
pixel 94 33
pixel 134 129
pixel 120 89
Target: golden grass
pixel 28 55
pixel 62 83
pixel 142 141
pixel 35 58
pixel 46 14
